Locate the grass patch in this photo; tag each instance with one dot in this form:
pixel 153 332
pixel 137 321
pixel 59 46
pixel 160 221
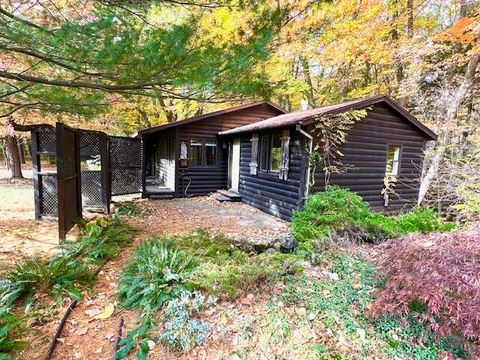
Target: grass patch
pixel 340 213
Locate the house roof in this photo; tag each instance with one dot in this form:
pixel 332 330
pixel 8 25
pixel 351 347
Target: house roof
pixel 307 116
pixel 208 115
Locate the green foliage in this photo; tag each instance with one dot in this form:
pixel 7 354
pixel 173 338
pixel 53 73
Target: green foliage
pixel 60 276
pixel 162 272
pixel 67 273
pixel 338 212
pixel 139 337
pixel 10 330
pixel 180 330
pixel 341 301
pixel 130 209
pixel 227 269
pixel 422 220
pixel 155 274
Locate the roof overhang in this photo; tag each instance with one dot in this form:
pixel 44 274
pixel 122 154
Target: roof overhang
pixel 306 117
pixel 207 116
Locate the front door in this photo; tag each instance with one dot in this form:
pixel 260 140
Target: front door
pixel 234 164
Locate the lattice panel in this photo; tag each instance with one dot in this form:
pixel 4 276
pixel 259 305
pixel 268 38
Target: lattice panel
pixel 69 154
pixel 46 140
pixel 126 163
pixel 89 144
pixel 92 189
pixel 48 200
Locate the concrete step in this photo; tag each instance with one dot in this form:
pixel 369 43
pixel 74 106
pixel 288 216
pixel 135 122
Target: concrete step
pixel 160 196
pixel 222 198
pixel 231 194
pixel 224 195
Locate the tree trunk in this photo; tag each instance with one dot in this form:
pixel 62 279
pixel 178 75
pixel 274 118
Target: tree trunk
pixel 454 102
pixel 21 152
pixel 308 80
pixel 12 155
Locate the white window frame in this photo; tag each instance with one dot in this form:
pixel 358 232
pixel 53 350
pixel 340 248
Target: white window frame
pixel 395 161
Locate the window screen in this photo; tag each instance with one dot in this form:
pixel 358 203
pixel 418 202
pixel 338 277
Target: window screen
pixel 210 153
pixel 264 152
pixel 195 152
pixel 393 160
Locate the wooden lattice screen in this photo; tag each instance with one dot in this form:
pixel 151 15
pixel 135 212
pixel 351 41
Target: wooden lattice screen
pixel 68 178
pixel 126 164
pixel 94 159
pixel 44 180
pixel 90 168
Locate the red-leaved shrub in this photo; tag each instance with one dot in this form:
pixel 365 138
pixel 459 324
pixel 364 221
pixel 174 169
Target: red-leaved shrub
pixel 437 275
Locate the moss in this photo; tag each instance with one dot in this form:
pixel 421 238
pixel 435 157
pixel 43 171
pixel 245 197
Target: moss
pixel 227 269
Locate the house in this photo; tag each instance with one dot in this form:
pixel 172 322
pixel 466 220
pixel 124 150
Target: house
pixel 188 157
pixel 260 153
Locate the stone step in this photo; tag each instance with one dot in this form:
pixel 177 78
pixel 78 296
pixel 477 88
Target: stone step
pixel 160 196
pixel 233 195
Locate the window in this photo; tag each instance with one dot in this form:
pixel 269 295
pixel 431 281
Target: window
pixel 203 152
pixel 276 153
pixel 264 150
pixel 195 152
pixel 270 153
pixel 210 153
pixel 393 160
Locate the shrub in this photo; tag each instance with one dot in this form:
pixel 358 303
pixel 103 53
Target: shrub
pixel 35 276
pixel 155 274
pixel 435 277
pixel 130 209
pixel 337 213
pixel 66 274
pixel 333 210
pixel 10 331
pixel 180 330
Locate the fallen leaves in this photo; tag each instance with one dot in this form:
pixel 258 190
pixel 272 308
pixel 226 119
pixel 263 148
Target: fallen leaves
pixel 106 313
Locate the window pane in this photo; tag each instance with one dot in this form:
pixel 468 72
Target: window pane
pixel 393 159
pixel 210 153
pixel 276 153
pixel 264 149
pixel 195 155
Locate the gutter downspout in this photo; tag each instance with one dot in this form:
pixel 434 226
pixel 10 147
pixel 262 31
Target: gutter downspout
pixel 310 149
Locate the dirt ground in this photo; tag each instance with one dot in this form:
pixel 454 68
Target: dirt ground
pixel 20 233
pixel 87 338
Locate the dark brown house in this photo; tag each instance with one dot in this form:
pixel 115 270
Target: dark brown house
pixel 259 152
pixel 188 157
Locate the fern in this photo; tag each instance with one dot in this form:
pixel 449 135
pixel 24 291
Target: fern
pixel 10 330
pixel 156 273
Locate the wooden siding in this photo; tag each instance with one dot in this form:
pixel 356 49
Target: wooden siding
pixel 207 179
pixel 365 151
pixel 266 191
pixel 166 160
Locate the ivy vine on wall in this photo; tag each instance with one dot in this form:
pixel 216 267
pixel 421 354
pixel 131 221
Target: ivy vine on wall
pixel 330 133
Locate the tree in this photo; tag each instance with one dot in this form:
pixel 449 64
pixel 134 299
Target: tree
pixel 82 59
pixel 463 31
pixel 11 153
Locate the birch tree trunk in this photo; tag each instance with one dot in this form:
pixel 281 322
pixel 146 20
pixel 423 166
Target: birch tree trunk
pixel 454 102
